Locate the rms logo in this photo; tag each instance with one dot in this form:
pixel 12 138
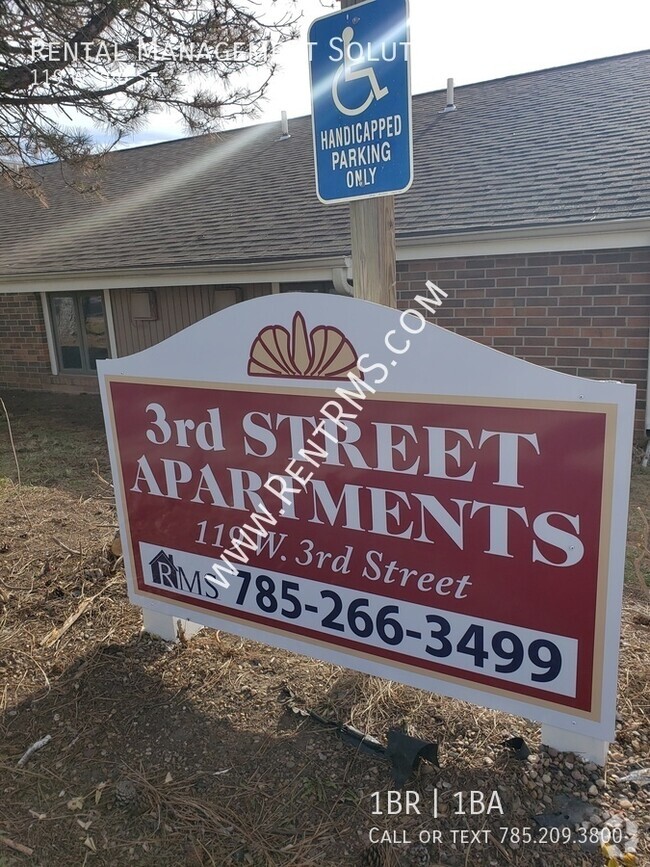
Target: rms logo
pixel 184 578
pixel 163 570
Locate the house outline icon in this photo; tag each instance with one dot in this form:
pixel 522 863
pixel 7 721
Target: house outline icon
pixel 163 570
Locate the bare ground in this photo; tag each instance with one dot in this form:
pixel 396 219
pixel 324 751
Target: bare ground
pixel 189 755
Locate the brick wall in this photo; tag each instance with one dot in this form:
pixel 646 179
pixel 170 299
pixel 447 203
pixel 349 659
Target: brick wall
pixel 584 313
pixel 24 356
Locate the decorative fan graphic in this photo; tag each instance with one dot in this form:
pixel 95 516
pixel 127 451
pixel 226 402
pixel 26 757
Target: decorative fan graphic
pixel 323 353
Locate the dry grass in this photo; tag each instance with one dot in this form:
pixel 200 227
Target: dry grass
pixel 59 440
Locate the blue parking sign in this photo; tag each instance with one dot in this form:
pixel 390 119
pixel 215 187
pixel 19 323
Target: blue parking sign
pixel 361 101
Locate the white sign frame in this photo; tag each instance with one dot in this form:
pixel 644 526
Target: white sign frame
pixel 438 363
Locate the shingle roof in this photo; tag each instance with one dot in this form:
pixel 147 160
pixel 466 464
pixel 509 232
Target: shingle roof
pixel 562 146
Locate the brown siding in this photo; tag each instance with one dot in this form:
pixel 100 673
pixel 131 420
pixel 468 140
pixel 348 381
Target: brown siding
pixel 255 290
pixel 584 313
pixel 177 308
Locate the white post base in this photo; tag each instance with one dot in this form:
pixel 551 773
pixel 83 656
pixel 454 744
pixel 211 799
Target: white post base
pixel 591 749
pixel 165 626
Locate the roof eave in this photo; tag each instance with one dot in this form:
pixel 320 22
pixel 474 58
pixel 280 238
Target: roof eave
pixel 561 237
pixel 608 234
pixel 289 271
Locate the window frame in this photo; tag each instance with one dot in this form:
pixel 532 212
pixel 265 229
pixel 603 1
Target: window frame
pixel 77 298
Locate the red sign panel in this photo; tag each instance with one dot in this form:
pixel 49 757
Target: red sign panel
pixel 459 540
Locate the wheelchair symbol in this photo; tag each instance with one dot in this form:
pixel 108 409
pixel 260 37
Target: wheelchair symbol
pixel 352 74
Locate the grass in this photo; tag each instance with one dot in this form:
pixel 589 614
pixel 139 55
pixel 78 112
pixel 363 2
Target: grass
pixel 637 557
pixel 60 440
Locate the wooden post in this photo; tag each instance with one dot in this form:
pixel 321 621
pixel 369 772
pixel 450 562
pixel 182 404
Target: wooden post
pixel 372 222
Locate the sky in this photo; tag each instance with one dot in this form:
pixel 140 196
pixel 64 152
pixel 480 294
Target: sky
pixel 467 40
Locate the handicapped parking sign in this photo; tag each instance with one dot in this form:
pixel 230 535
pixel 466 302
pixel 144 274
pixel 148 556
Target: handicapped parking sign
pixel 361 101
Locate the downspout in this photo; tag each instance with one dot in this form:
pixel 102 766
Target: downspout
pixel 646 457
pixel 341 278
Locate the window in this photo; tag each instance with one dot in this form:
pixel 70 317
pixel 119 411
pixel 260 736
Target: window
pixel 79 330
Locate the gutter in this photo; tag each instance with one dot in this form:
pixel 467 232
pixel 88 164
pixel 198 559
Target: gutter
pixel 609 234
pixel 565 237
pixel 295 271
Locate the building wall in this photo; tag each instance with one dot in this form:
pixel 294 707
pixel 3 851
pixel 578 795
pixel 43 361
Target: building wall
pixel 584 313
pixel 176 308
pixel 24 356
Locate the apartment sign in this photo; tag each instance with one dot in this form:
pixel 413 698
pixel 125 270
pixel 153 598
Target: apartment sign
pixel 457 524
